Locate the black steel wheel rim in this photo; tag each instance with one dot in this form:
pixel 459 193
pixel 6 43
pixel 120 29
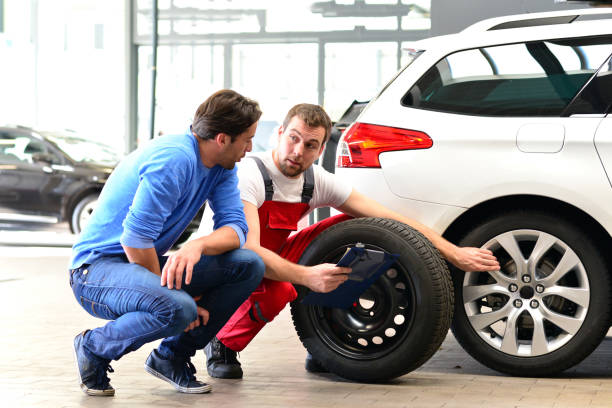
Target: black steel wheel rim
pixel 378 321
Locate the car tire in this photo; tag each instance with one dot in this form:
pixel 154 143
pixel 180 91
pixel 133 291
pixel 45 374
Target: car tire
pixel 82 211
pixel 401 319
pixel 559 310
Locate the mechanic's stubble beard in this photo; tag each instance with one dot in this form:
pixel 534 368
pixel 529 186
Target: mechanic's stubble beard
pixel 290 171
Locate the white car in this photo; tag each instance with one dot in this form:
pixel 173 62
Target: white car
pixel 500 137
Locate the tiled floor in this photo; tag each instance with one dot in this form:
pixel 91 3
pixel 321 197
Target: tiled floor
pixel 40 317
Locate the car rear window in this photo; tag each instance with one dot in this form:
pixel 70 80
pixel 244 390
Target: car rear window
pixel 527 79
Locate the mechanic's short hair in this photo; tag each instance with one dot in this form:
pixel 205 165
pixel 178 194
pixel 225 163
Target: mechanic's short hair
pixel 313 115
pixel 225 111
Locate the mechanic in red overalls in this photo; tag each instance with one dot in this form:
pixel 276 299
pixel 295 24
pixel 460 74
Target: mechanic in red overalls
pixel 278 188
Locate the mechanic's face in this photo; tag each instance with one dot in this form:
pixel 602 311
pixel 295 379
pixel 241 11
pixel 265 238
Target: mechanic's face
pixel 232 152
pixel 299 145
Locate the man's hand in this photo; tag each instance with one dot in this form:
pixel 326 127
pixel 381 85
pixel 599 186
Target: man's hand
pixel 471 259
pixel 203 315
pixel 325 277
pixel 182 261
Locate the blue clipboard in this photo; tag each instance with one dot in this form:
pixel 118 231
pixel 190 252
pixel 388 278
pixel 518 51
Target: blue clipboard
pixel 367 266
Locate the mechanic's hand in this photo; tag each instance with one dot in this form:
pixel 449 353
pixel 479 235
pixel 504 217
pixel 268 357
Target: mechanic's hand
pixel 202 319
pixel 182 261
pixel 326 277
pixel 471 259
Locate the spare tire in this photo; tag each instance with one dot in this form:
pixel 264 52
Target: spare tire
pixel 398 323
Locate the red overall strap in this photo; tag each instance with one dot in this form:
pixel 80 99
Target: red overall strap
pixel 278 219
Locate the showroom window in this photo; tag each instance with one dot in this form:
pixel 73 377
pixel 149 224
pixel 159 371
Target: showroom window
pixel 527 79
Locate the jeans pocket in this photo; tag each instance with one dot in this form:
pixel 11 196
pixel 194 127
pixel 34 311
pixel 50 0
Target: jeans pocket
pixel 97 309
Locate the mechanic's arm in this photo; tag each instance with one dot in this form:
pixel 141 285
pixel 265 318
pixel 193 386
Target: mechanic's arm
pixel 465 258
pixel 319 278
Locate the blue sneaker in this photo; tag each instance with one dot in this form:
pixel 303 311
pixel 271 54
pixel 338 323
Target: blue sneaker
pixel 92 370
pixel 178 372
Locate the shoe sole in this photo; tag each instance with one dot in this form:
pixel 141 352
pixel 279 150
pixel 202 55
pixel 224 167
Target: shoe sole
pixel 193 390
pixel 89 391
pixel 225 375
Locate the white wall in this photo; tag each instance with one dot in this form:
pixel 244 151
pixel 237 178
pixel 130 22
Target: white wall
pixel 54 75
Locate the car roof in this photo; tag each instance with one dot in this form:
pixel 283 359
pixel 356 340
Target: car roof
pixel 487 33
pixel 539 19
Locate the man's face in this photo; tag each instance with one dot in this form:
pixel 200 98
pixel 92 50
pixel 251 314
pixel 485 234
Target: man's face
pixel 232 152
pixel 299 145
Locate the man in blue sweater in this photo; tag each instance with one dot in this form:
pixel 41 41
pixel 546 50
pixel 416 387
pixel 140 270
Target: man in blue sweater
pixel 118 269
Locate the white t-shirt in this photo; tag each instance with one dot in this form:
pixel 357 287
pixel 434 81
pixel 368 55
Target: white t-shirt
pixel 329 191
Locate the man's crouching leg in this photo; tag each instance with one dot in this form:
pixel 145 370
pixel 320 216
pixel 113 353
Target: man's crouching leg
pixel 268 300
pixel 224 282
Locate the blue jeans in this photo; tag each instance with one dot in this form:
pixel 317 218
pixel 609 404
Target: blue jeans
pixel 141 310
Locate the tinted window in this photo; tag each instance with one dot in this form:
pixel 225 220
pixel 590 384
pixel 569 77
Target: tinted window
pixel 526 79
pixel 15 148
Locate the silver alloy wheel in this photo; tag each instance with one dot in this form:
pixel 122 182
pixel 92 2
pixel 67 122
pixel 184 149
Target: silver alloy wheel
pixel 85 213
pixel 538 300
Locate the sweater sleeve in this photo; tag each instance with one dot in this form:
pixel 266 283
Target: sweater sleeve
pixel 161 178
pixel 226 204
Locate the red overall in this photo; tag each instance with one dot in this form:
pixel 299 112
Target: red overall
pixel 276 220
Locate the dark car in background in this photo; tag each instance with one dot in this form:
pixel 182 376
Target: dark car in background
pixel 51 177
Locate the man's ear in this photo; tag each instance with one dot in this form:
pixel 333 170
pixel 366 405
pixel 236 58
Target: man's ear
pixel 281 129
pixel 223 139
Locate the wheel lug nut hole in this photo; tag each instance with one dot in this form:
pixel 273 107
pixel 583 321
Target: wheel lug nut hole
pixel 392 273
pixel 377 340
pixel 362 342
pixel 400 286
pixel 390 332
pixel 399 319
pixel 367 304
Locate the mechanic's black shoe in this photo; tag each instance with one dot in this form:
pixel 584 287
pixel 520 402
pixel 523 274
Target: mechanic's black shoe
pixel 92 370
pixel 178 372
pixel 221 361
pixel 313 366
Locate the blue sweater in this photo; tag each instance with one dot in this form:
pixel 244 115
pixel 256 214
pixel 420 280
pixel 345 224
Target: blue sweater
pixel 153 195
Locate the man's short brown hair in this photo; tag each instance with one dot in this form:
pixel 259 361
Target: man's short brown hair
pixel 313 115
pixel 225 111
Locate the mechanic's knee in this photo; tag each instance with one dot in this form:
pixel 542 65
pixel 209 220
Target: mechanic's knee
pixel 283 292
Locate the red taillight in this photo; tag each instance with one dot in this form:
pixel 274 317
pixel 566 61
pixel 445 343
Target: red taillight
pixel 362 143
